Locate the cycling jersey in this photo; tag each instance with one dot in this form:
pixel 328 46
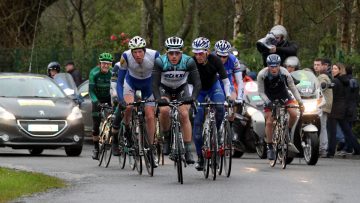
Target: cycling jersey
pixel 137 76
pixel 99 85
pixel 175 76
pixel 234 73
pixel 276 87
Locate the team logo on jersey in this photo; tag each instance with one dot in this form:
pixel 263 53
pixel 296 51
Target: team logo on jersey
pixel 122 61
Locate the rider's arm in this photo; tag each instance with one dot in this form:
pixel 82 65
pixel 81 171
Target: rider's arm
pixel 291 84
pixel 261 87
pixel 114 77
pixel 156 78
pixel 239 80
pixel 121 76
pixel 222 75
pixel 194 78
pixel 92 84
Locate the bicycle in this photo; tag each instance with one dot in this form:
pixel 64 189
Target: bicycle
pixel 225 145
pixel 177 142
pixel 142 148
pixel 210 139
pixel 281 137
pixel 107 118
pixel 158 142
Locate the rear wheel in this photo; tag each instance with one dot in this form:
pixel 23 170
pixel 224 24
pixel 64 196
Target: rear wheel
pixel 283 150
pixel 311 149
pixel 36 151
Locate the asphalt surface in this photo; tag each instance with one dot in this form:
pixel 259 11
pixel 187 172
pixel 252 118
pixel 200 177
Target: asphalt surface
pixel 251 180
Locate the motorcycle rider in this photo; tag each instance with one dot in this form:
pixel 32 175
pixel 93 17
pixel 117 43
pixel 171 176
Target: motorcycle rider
pixel 292 63
pixel 276 42
pixel 273 83
pixel 53 68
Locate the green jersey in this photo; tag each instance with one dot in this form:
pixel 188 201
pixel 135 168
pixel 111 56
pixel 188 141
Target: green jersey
pixel 99 85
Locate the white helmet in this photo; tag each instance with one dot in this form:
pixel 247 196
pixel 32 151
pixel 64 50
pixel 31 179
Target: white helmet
pixel 279 30
pixel 200 44
pixel 137 43
pixel 174 43
pixel 292 61
pixel 222 48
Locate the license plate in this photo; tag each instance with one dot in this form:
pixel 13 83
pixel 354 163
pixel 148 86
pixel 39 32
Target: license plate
pixel 42 128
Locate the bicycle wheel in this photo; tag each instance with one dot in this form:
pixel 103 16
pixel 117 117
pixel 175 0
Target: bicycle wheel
pixel 227 157
pixel 178 154
pixel 121 141
pixel 213 149
pixel 283 150
pixel 103 145
pixel 148 153
pixel 108 143
pixel 221 148
pixel 206 152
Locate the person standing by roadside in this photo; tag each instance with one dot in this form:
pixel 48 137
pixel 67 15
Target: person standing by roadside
pixel 321 72
pixel 75 73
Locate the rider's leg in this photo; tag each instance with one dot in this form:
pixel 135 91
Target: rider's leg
pixel 150 122
pixel 164 119
pixel 186 131
pixel 268 133
pixel 115 131
pixel 198 123
pixel 95 130
pixel 217 96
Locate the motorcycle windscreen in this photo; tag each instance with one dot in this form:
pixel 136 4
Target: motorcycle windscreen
pixel 66 83
pixel 307 83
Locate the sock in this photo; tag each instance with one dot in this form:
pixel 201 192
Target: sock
pixel 96 144
pixel 187 146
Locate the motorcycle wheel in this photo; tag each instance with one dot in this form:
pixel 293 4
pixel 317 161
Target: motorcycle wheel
pixel 261 150
pixel 311 149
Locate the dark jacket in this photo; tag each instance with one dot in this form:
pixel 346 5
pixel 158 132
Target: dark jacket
pixel 76 76
pixel 284 50
pixel 339 97
pixel 352 99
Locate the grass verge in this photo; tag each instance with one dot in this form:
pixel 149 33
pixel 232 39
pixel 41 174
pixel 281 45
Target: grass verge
pixel 15 183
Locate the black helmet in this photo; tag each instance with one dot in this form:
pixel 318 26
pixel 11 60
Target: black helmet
pixel 53 66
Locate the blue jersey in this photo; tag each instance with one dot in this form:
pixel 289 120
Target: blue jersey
pixel 232 66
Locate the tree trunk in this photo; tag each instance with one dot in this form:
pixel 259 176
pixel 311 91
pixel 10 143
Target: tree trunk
pixel 157 13
pixel 70 14
pixel 238 17
pixel 147 26
pixel 78 5
pixel 278 12
pixel 196 20
pixel 354 25
pixel 345 25
pixel 188 19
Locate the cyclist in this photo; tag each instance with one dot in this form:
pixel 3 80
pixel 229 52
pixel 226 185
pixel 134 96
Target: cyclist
pixel 273 83
pixel 99 90
pixel 170 75
pixel 233 69
pixel 53 68
pixel 134 73
pixel 209 66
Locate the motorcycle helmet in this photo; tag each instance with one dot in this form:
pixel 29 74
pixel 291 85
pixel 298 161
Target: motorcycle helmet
pixel 292 61
pixel 279 30
pixel 53 66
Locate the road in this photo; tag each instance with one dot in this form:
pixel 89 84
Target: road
pixel 251 180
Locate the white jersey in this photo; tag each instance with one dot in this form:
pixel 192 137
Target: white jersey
pixel 136 70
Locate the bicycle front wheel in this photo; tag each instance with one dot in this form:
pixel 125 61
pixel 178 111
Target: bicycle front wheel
pixel 206 153
pixel 148 153
pixel 283 149
pixel 213 149
pixel 227 156
pixel 121 141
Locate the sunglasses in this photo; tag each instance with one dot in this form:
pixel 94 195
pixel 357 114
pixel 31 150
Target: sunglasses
pixel 222 56
pixel 172 53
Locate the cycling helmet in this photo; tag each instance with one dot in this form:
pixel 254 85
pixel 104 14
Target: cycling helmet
pixel 53 66
pixel 222 48
pixel 174 44
pixel 273 60
pixel 106 57
pixel 200 44
pixel 279 30
pixel 137 43
pixel 292 61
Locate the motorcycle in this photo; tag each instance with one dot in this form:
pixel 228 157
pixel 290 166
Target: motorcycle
pixel 305 132
pixel 67 84
pixel 249 127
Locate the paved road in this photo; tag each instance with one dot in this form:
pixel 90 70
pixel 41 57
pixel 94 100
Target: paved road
pixel 252 180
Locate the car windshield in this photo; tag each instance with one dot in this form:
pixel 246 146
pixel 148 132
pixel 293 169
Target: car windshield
pixel 28 86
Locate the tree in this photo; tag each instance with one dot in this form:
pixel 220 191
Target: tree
pixel 278 12
pixel 18 19
pixel 239 17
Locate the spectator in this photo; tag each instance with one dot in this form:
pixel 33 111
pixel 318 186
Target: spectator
pixel 70 68
pixel 324 80
pixel 276 42
pixel 338 113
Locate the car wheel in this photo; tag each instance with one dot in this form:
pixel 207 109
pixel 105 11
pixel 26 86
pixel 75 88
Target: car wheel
pixel 73 151
pixel 36 151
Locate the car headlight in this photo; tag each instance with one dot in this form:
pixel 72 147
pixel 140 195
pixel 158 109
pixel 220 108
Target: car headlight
pixel 6 115
pixel 75 114
pixel 310 106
